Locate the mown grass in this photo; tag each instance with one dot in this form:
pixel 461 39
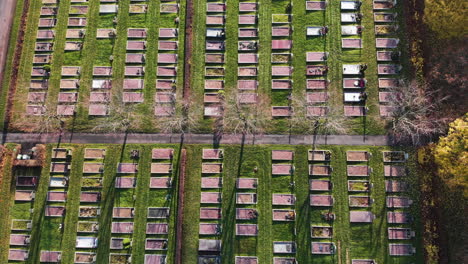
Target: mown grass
pixel 97 52
pixel 9 60
pixel 352 240
pixel 7 189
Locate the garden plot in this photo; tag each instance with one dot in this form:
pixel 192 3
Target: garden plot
pixel 54 211
pixel 317 97
pixel 281 111
pixel 354 83
pixel 247 19
pixel 317 84
pixel 284 199
pixel 398 202
pixel 316 31
pixel 214 58
pixel 136 33
pixel 125 182
pixel 281 84
pixel 316 56
pixel 215 20
pixel 247 84
pixel 246 260
pixel 42 58
pixel 316 5
pixel 247 45
pixel 99 97
pixel 386 43
pixel 78 10
pixel 400 233
pixel 85 257
pixel 48 11
pixel 103 33
pixel 136 45
pixel 75 33
pixel 73 45
pixel 156 244
pixel 18 255
pixel 51 256
pixel 281 31
pixel 132 97
pixel 281 57
pixel 102 71
pixel 281 44
pixel 316 70
pixel 388 55
pixel 359 201
pixel 165 84
pixel 320 185
pixel 247 58
pixel 36 97
pixel 138 9
pixel 388 69
pixel 248 33
pixel 246 230
pixel 77 21
pixel 321 200
pixel 108 9
pixel 67 97
pixel 384 4
pixel 351 17
pixel 323 248
pixel 354 111
pixel 25 195
pixel 209 229
pixel 401 249
pixel 248 7
pixel 133 84
pixel 215 7
pixel 396 217
pixel 396 186
pixel 284 247
pixel 388 83
pixel 169 8
pixel 361 217
pixel 321 231
pixel 358 170
pixel 351 43
pixel 317 110
pixel 69 84
pixel 350 5
pixel 167 71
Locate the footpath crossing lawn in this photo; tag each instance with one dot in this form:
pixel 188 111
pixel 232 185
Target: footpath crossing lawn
pixel 115 203
pixel 350 240
pixel 82 63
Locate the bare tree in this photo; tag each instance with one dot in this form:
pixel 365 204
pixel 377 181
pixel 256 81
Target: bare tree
pixel 303 122
pixel 415 114
pixel 50 121
pixel 244 118
pixel 122 116
pixel 179 118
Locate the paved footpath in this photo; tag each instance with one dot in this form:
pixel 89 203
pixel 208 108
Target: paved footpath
pixel 7 12
pixel 197 139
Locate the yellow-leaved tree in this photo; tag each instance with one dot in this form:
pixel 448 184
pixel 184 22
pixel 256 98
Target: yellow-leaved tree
pixel 451 155
pixel 447 18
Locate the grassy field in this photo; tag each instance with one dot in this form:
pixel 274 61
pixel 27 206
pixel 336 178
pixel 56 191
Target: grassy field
pixel 301 18
pixel 97 52
pixel 47 234
pixel 351 240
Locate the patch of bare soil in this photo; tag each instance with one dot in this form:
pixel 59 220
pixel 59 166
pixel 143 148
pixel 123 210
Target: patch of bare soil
pixel 188 49
pixel 16 62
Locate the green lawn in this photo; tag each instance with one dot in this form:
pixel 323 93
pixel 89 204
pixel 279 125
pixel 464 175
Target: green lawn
pixel 352 240
pixel 96 52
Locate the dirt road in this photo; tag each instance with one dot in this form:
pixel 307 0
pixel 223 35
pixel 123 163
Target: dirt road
pixel 7 12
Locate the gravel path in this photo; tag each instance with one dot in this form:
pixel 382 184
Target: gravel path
pixel 197 139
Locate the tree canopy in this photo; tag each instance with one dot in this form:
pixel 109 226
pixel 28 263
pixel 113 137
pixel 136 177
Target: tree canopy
pixel 447 18
pixel 451 155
